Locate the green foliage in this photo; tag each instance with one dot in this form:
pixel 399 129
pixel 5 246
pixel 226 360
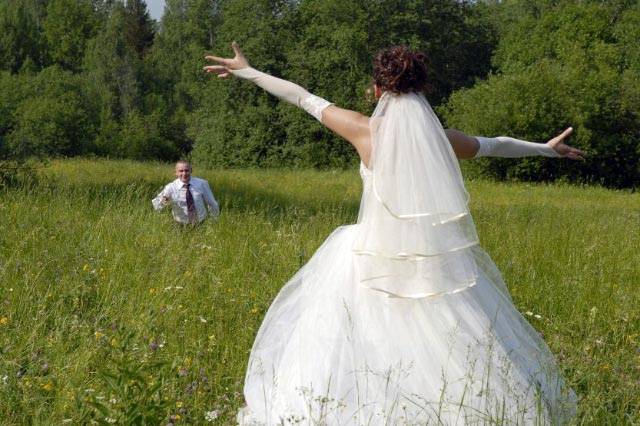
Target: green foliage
pixel 68 27
pixel 53 119
pixel 572 63
pixel 139 29
pixel 134 386
pixel 140 138
pixel 20 38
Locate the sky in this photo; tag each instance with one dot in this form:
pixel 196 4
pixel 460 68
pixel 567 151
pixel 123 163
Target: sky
pixel 156 7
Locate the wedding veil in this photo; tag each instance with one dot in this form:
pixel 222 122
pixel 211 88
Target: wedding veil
pixel 415 236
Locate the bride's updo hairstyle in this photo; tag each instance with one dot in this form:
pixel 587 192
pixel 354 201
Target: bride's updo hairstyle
pixel 400 70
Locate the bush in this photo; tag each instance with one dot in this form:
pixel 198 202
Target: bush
pixel 570 67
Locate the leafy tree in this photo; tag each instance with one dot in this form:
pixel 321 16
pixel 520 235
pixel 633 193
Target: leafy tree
pixel 20 38
pixel 139 28
pixel 68 27
pixel 113 75
pixel 568 63
pixel 52 117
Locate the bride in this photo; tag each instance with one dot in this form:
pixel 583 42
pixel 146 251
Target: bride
pixel 402 318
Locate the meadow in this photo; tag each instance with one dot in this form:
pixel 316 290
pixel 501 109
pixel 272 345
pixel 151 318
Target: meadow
pixel 111 313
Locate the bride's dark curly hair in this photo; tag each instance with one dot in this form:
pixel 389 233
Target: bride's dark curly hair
pixel 399 69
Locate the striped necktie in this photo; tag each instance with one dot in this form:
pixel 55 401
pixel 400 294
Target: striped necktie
pixel 191 207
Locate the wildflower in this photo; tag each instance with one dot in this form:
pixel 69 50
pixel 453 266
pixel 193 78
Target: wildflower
pixel 536 316
pixel 98 335
pixel 67 420
pixel 48 386
pixel 86 267
pixel 110 420
pixel 182 371
pixel 113 401
pixel 152 290
pixel 211 415
pixel 529 313
pixel 203 320
pixel 4 321
pixel 5 378
pixel 254 310
pixel 179 404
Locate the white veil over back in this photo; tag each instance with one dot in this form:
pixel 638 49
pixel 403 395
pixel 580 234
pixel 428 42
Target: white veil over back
pixel 416 235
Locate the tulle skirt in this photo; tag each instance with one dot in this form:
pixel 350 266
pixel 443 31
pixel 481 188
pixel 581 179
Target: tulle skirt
pixel 332 352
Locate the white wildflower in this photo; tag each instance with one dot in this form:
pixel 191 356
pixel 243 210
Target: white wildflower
pixel 202 320
pixel 536 316
pixel 67 420
pixel 211 415
pixel 110 420
pixel 4 379
pixel 113 401
pixel 529 313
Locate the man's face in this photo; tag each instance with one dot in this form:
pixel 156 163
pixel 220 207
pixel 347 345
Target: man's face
pixel 183 172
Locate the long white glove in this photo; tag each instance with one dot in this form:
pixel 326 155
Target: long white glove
pixel 286 91
pixel 504 146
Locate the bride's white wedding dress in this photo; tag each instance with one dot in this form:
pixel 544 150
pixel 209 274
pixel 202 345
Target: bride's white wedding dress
pixel 402 318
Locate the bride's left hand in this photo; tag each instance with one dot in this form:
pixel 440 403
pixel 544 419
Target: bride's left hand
pixel 565 151
pixel 227 65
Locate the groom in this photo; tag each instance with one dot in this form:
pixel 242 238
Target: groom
pixel 189 197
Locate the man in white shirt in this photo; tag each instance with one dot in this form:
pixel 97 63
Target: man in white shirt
pixel 189 197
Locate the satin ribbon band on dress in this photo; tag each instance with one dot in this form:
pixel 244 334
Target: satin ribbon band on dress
pixel 425 295
pixel 416 215
pixel 413 256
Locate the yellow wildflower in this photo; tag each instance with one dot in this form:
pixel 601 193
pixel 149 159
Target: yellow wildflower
pixel 4 321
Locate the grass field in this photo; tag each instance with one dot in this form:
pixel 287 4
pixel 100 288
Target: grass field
pixel 110 312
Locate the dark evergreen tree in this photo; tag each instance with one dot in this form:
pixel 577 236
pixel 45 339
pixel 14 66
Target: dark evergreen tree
pixel 139 28
pixel 21 34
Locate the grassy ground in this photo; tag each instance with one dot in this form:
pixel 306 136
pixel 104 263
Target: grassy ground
pixel 109 311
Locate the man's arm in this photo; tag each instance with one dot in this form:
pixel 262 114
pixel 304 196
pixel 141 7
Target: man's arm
pixel 162 199
pixel 209 199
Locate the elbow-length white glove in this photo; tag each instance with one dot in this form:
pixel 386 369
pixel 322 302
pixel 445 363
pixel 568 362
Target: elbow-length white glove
pixel 504 146
pixel 285 90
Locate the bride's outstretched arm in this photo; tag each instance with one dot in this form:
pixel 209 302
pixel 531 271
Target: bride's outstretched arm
pixel 351 125
pixel 503 146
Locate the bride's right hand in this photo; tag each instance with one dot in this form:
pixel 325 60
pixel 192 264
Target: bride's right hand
pixel 227 65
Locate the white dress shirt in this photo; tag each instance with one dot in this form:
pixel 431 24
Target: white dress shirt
pixel 176 192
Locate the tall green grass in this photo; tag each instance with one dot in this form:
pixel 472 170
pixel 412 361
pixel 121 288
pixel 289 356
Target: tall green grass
pixel 111 312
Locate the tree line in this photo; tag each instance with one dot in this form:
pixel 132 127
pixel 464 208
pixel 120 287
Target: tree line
pixel 100 77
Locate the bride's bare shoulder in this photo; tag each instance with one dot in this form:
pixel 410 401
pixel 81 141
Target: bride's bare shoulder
pixel 351 125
